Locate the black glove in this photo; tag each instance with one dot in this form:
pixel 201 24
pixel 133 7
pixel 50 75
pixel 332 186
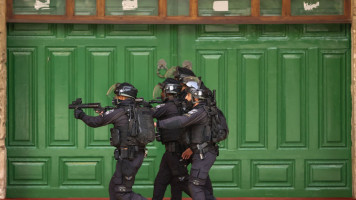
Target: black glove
pixel 79 113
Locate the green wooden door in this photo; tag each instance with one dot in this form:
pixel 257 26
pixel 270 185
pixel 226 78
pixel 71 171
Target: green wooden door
pixel 284 88
pixel 286 92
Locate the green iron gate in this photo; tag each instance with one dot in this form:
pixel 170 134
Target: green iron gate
pixel 285 90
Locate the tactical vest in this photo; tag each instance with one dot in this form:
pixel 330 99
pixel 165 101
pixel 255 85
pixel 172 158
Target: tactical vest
pixel 200 133
pixel 172 135
pixel 121 135
pixel 126 140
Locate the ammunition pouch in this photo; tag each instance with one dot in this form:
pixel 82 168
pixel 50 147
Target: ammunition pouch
pixel 115 137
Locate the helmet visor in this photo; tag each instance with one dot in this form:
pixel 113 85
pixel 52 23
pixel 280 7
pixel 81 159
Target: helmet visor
pixel 192 84
pixel 192 81
pixel 157 90
pixel 111 91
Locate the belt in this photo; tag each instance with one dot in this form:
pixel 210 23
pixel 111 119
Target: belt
pixel 127 152
pixel 203 148
pixel 173 147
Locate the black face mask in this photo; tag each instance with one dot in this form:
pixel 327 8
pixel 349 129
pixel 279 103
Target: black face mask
pixel 188 105
pixel 183 94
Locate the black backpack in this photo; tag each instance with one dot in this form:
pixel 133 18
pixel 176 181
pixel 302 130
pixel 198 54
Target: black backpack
pixel 218 124
pixel 141 124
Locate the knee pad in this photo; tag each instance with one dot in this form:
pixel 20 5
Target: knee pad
pixel 183 178
pixel 197 177
pixel 197 181
pixel 122 189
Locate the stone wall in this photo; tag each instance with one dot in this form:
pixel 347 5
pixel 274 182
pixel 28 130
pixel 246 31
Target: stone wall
pixel 353 93
pixel 2 99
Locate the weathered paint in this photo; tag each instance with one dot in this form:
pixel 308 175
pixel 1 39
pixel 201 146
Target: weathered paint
pixel 3 99
pixel 353 91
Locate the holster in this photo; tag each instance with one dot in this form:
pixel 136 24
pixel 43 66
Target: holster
pixel 210 148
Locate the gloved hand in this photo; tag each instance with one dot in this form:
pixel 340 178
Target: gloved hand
pixel 79 113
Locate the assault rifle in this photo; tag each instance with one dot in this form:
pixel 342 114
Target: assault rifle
pixel 155 101
pixel 141 101
pixel 77 104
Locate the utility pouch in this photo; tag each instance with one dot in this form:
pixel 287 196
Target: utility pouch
pixel 132 152
pixel 124 153
pixel 115 137
pixel 132 128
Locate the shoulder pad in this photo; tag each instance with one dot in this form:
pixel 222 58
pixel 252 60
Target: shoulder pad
pixel 109 111
pixel 191 112
pixel 160 105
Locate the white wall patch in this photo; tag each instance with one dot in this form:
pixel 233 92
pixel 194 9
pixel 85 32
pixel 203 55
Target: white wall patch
pixel 42 4
pixel 129 4
pixel 311 6
pixel 221 6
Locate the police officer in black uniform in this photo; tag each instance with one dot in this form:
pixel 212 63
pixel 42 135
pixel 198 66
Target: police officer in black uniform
pixel 129 153
pixel 173 169
pixel 204 151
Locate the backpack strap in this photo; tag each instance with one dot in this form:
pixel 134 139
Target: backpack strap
pixel 179 106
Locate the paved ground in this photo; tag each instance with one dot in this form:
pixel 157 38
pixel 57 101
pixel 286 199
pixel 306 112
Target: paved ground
pixel 235 198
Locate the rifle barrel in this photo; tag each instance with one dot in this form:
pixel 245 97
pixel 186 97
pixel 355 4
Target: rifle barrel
pixel 89 105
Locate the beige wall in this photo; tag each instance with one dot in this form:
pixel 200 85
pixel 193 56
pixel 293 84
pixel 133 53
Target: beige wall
pixel 2 98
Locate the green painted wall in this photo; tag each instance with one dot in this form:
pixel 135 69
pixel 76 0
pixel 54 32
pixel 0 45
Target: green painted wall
pixel 285 90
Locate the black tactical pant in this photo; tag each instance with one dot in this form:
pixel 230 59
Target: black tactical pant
pixel 171 171
pixel 120 187
pixel 199 181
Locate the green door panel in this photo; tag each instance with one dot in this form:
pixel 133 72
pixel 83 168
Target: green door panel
pixel 285 90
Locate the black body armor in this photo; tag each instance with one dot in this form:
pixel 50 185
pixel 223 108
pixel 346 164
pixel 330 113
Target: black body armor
pixel 165 111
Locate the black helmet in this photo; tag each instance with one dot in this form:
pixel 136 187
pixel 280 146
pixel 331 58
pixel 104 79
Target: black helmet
pixel 125 89
pixel 171 86
pixel 182 72
pixel 200 94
